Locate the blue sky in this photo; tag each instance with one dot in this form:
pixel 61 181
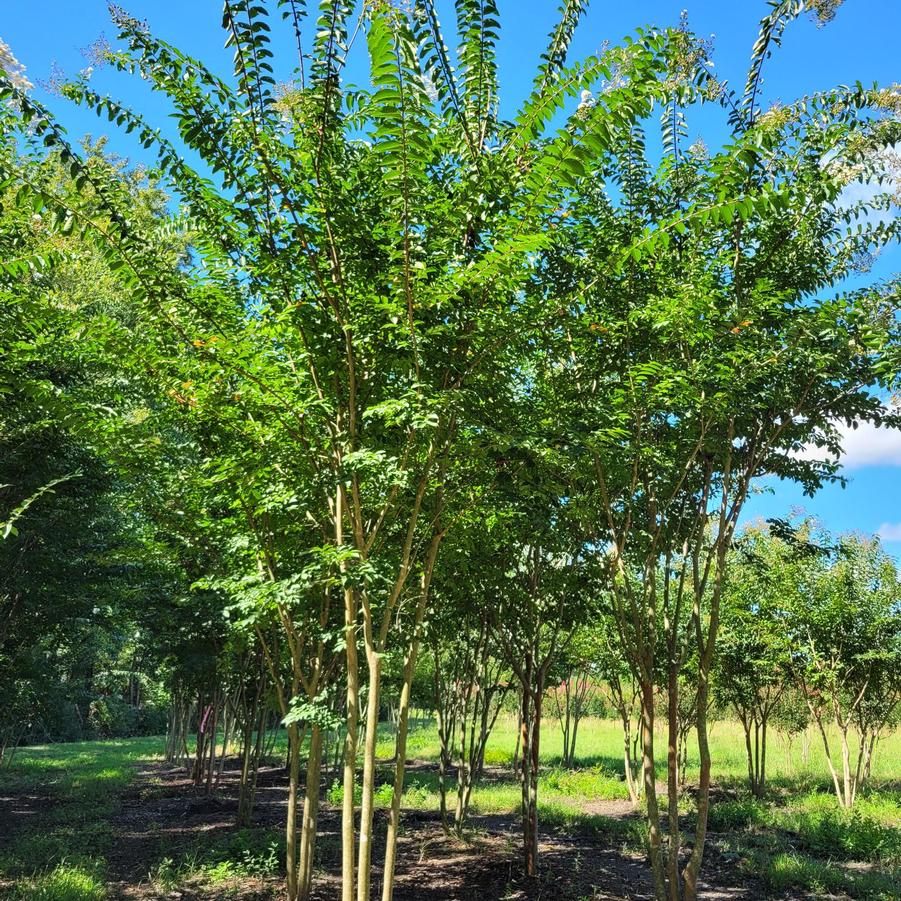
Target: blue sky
pixel 861 44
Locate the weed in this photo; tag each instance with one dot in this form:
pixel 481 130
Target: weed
pixel 727 816
pixel 65 883
pixel 165 875
pixel 844 835
pixel 383 795
pixel 335 794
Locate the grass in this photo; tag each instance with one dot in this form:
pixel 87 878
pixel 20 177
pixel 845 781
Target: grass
pixel 79 772
pixel 64 883
pixel 806 841
pixel 796 839
pixel 75 788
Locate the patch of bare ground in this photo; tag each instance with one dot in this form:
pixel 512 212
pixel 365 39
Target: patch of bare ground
pixel 163 819
pixel 21 809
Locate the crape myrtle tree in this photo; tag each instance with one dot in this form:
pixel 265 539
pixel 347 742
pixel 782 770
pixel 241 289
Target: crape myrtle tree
pixel 576 691
pixel 622 691
pixel 200 478
pixel 701 344
pixel 471 680
pixel 549 582
pixel 811 635
pixel 845 624
pixel 754 650
pixel 354 282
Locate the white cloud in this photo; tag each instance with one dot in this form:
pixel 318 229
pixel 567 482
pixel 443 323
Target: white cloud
pixel 890 531
pixel 866 445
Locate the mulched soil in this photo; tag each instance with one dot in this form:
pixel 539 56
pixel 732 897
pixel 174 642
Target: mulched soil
pixel 162 815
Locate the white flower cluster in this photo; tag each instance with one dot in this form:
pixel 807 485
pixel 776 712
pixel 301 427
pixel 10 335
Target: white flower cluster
pixel 13 69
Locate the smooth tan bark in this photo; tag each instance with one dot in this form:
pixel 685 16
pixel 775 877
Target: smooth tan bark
pixel 400 761
pixel 693 867
pixel 652 809
pixel 291 818
pixel 310 815
pixel 348 833
pixel 672 782
pixel 634 794
pixel 364 860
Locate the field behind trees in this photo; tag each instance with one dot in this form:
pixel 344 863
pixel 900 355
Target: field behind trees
pixel 110 820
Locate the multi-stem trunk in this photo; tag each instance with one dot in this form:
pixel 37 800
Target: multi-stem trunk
pixel 870 745
pixel 228 725
pixel 250 752
pixel 817 715
pixel 631 783
pixel 761 774
pixel 211 759
pixel 567 723
pixel 847 776
pixel 746 725
pixel 403 720
pixel 578 710
pixel 517 750
pixel 533 777
pixel 529 762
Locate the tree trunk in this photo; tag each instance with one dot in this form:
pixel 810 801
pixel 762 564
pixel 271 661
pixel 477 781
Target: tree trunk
pixel 249 761
pixel 762 778
pixel 227 729
pixel 634 795
pixel 577 716
pixel 749 751
pixel 348 832
pixel 530 719
pixel 871 747
pixel 400 760
pixel 650 791
pixel 364 859
pixel 291 818
pixel 693 867
pixel 835 780
pixel 516 749
pixel 672 781
pixel 848 779
pixel 530 767
pixel 310 815
pixel 212 743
